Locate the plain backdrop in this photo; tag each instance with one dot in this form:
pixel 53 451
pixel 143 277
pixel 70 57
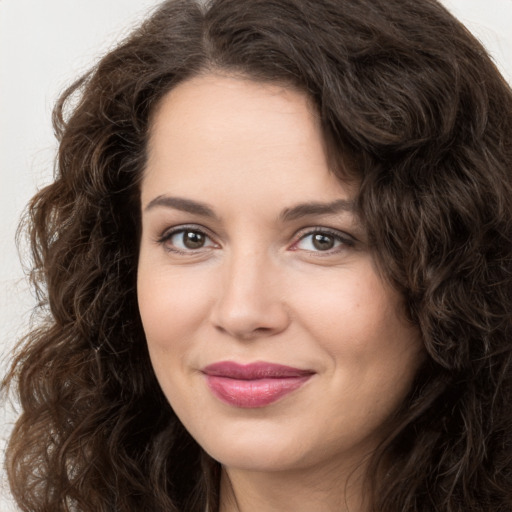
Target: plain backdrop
pixel 44 45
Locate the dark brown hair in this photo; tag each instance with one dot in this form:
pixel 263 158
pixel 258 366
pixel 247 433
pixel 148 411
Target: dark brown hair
pixel 426 118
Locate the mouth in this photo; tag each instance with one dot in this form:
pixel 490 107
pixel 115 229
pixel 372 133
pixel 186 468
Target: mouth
pixel 253 385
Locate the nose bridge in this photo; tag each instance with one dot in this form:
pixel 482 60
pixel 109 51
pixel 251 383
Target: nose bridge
pixel 250 301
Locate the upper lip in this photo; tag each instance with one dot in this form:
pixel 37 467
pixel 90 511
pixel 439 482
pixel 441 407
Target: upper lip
pixel 253 371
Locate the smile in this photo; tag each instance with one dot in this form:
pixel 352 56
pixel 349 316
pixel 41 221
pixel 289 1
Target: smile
pixel 253 385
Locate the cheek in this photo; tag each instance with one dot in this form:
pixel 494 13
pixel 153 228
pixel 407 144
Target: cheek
pixel 345 305
pixel 357 320
pixel 172 304
pixel 172 307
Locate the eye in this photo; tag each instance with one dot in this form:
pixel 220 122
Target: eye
pixel 185 240
pixel 323 240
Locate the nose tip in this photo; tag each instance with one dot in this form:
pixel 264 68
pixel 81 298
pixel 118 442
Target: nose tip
pixel 243 321
pixel 250 304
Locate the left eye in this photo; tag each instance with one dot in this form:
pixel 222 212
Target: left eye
pixel 321 241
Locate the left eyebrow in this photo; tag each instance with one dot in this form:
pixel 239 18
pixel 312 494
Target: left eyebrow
pixel 313 208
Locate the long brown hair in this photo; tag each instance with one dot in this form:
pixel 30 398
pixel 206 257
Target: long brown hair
pixel 426 119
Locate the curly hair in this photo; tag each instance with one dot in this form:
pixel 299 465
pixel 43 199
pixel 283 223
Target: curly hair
pixel 412 98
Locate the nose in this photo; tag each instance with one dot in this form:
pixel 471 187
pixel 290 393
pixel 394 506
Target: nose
pixel 250 303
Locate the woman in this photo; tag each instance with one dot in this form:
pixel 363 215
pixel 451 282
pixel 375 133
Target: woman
pixel 275 265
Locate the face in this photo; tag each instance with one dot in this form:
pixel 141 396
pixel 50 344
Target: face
pixel 270 331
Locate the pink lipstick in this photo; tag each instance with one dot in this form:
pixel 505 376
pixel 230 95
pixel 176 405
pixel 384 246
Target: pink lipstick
pixel 253 385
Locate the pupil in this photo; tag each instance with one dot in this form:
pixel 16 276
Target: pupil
pixel 323 242
pixel 193 239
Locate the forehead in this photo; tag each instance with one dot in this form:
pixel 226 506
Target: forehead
pixel 206 109
pixel 214 93
pixel 230 129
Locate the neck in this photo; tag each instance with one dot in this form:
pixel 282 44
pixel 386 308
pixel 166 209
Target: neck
pixel 327 490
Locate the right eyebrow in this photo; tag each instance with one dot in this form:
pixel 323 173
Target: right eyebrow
pixel 180 203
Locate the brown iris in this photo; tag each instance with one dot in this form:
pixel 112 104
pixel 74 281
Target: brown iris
pixel 193 239
pixel 323 242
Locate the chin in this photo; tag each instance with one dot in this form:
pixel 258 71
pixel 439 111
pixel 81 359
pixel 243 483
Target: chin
pixel 258 458
pixel 263 451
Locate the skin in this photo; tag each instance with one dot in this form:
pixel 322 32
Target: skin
pixel 259 289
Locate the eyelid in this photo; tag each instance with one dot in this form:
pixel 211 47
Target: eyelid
pixel 345 238
pixel 169 232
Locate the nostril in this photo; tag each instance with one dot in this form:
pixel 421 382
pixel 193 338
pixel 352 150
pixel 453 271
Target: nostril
pixel 245 334
pixel 262 330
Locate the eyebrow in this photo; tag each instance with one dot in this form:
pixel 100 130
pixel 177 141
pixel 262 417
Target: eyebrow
pixel 180 203
pixel 313 208
pixel 288 214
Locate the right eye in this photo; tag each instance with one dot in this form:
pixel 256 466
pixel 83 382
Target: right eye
pixel 186 240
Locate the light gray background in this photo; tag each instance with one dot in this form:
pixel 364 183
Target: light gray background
pixel 44 45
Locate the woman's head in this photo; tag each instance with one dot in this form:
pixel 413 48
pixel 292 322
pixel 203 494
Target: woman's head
pixel 415 124
pixel 258 293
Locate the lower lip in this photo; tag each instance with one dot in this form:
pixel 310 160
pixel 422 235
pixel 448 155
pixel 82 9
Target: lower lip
pixel 253 393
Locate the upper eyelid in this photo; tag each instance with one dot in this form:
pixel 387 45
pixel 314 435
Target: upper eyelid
pixel 347 241
pixel 169 231
pixel 296 237
pixel 163 240
pixel 301 233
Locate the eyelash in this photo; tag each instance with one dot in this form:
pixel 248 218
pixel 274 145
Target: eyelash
pixel 344 240
pixel 167 235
